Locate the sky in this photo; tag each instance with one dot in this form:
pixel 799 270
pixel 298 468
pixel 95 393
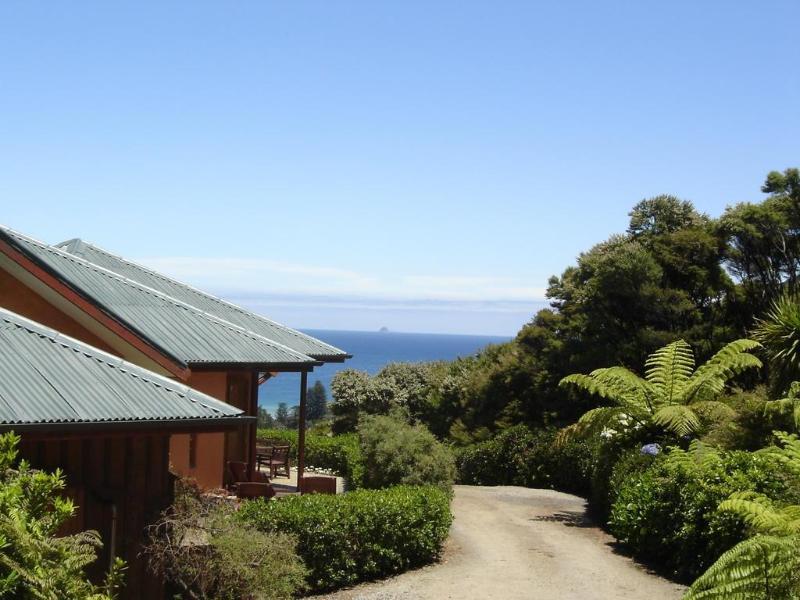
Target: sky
pixel 423 166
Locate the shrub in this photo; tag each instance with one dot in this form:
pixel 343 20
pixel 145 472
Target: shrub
pixel 668 513
pixel 199 547
pixel 519 456
pixel 629 464
pixel 766 565
pixel 360 535
pixel 339 453
pixel 398 453
pixel 34 563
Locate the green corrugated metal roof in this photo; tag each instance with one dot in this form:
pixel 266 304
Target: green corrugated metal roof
pixel 49 378
pixel 183 332
pixel 225 310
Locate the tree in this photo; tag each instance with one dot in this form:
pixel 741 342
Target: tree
pixel 762 244
pixel 265 419
pixel 409 387
pixel 317 399
pixel 767 565
pixel 35 563
pixel 282 415
pixel 672 395
pixel 293 417
pixel 663 215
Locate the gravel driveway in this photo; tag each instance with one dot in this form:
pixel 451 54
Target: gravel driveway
pixel 510 542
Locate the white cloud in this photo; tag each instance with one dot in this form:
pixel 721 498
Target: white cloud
pixel 268 278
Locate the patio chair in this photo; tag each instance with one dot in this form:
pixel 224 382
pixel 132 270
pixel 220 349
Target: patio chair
pixel 246 489
pixel 278 461
pixel 263 454
pixel 257 486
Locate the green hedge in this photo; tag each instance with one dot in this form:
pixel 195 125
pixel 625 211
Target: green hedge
pixel 667 513
pixel 360 535
pixel 340 453
pixel 530 458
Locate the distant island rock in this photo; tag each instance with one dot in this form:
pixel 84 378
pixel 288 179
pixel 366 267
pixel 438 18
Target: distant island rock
pixel 384 329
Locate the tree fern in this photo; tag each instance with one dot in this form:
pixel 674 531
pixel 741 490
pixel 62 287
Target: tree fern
pixel 672 395
pixel 764 567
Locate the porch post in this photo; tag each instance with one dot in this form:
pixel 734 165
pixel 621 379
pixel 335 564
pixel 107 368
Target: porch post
pixel 252 429
pixel 301 433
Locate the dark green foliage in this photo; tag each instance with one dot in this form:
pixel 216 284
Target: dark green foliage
pixel 265 419
pixel 282 415
pixel 668 514
pixel 317 400
pixel 398 453
pixel 360 535
pixel 520 456
pixel 35 563
pixel 340 453
pixel 754 420
pixel 762 246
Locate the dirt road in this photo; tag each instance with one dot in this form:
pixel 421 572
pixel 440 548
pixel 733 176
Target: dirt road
pixel 517 543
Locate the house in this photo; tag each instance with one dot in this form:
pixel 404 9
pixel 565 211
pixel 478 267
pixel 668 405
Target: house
pixel 107 424
pixel 163 325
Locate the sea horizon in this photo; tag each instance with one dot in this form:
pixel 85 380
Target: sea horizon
pixel 371 351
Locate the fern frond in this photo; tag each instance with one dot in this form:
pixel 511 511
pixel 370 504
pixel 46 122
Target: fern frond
pixel 596 420
pixel 713 410
pixel 615 384
pixel 678 419
pixel 669 368
pixel 762 567
pixel 709 381
pixel 733 349
pixel 789 454
pixel 760 514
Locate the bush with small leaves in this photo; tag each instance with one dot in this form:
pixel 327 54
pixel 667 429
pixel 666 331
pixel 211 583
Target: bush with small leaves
pixel 360 535
pixel 668 514
pixel 531 458
pixel 398 453
pixel 34 562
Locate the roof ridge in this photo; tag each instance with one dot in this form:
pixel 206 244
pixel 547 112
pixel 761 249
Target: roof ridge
pixel 109 359
pixel 148 290
pixel 196 290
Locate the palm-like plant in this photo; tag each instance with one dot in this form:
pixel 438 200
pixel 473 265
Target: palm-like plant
pixel 672 395
pixel 767 565
pixel 786 406
pixel 779 332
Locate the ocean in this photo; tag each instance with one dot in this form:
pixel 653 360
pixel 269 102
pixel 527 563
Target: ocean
pixel 371 351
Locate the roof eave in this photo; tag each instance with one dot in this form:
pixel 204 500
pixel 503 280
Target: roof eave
pixel 256 366
pixel 327 358
pixel 205 425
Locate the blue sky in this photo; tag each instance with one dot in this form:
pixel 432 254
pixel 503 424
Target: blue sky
pixel 348 165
